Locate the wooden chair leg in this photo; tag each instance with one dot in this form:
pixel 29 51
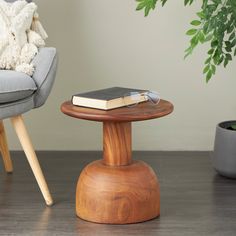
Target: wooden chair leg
pixel 4 149
pixel 23 136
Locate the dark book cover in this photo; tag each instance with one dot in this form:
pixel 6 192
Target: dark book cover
pixel 109 93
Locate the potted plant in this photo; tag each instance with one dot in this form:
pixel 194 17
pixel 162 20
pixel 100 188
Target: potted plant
pixel 215 24
pixel 224 156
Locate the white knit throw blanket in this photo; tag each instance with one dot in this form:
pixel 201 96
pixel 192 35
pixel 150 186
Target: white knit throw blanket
pixel 21 35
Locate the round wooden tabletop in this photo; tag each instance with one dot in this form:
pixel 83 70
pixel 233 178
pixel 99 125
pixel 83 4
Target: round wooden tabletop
pixel 143 111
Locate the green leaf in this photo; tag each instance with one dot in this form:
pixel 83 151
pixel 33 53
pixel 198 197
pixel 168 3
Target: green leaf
pixel 214 43
pixel 208 76
pixel 201 15
pixel 194 41
pixel 147 5
pixel 230 29
pixel 232 36
pixel 201 37
pixel 206 69
pixel 208 38
pixel 195 22
pixel 228 49
pixel 163 2
pixel 233 43
pixel 188 52
pixel 146 10
pixel 213 68
pixel 227 43
pixel 226 61
pixel 186 2
pixel 210 52
pixel 140 6
pixel 221 60
pixel 191 32
pixel 229 57
pixel 208 60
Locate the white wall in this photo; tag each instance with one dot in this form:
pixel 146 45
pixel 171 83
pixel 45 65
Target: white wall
pixel 106 43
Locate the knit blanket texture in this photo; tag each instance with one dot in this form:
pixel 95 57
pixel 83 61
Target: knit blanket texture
pixel 21 36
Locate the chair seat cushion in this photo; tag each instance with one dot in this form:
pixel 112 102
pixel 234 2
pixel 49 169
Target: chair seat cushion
pixel 15 86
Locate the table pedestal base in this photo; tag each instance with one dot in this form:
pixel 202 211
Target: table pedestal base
pixel 117 194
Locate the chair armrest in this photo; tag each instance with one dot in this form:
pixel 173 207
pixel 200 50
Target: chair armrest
pixel 45 72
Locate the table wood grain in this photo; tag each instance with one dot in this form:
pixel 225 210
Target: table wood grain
pixel 143 111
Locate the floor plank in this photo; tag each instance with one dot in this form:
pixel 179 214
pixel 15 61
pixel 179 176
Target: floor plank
pixel 194 199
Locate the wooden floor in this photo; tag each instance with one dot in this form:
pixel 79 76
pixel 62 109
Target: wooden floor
pixel 194 199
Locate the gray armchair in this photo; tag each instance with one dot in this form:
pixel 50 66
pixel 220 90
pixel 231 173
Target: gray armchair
pixel 20 93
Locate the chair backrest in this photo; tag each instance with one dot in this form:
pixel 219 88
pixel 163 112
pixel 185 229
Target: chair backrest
pixel 44 84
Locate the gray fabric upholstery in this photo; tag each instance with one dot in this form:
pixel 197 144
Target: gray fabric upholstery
pixel 43 78
pixel 16 108
pixel 15 86
pixel 46 66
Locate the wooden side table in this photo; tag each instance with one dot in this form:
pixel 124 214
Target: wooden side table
pixel 117 190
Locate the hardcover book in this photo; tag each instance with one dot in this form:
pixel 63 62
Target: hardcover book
pixel 109 98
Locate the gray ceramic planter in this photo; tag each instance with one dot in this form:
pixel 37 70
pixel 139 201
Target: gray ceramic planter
pixel 224 155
